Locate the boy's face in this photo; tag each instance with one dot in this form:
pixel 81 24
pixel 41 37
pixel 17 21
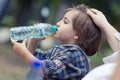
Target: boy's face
pixel 65 32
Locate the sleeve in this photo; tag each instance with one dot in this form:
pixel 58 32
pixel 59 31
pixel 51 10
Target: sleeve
pixel 58 67
pixel 65 65
pixel 112 58
pixel 53 68
pixel 40 54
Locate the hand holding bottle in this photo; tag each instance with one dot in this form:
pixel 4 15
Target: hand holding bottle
pixel 19 48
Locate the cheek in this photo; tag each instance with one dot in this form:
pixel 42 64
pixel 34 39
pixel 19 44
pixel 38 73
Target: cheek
pixel 64 33
pixel 61 31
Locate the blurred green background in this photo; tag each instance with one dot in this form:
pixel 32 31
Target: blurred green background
pixel 28 12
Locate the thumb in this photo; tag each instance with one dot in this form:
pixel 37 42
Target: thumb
pixel 13 42
pixel 24 42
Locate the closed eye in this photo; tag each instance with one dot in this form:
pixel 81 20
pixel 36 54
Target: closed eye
pixel 66 21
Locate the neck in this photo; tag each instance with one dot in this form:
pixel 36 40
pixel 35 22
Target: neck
pixel 69 42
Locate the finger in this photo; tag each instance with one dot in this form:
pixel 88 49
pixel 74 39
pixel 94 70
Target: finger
pixel 95 11
pixel 24 42
pixel 43 38
pixel 90 13
pixel 13 42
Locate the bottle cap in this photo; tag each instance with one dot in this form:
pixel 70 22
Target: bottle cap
pixel 36 64
pixel 54 28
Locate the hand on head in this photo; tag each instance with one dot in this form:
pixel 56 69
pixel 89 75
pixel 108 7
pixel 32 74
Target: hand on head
pixel 20 48
pixel 98 17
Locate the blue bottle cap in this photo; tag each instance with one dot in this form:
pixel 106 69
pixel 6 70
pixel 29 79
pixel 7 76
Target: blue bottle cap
pixel 36 64
pixel 54 28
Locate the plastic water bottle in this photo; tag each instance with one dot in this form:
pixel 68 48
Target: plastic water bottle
pixel 36 72
pixel 35 31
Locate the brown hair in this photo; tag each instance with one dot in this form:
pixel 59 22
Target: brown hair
pixel 90 36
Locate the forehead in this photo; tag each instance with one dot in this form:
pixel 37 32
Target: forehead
pixel 70 14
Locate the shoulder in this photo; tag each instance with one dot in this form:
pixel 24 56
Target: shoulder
pixel 73 51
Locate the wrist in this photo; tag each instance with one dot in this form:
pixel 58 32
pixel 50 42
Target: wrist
pixel 27 56
pixel 34 40
pixel 23 53
pixel 106 27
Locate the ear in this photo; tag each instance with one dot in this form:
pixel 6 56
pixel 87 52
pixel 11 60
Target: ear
pixel 76 37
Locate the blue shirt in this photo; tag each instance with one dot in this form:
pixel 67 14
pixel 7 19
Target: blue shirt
pixel 64 62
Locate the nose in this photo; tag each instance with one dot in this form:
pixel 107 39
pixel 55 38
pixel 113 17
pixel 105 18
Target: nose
pixel 58 23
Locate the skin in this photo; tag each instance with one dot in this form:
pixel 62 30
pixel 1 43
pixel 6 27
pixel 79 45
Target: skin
pixel 65 32
pixel 21 50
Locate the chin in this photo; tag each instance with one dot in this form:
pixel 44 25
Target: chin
pixel 56 36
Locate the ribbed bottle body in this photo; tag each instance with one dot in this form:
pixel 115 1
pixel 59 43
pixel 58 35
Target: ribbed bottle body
pixel 35 31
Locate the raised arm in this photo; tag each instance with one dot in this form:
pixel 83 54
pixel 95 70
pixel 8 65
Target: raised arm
pixel 109 31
